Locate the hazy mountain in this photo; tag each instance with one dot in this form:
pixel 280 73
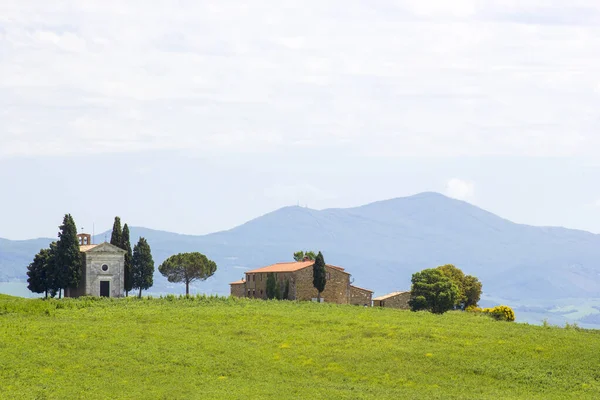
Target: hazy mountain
pixel 15 255
pixel 382 244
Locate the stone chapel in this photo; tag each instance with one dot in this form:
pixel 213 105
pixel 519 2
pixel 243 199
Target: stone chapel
pixel 103 269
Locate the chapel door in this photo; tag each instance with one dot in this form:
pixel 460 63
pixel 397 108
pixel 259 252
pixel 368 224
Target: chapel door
pixel 104 288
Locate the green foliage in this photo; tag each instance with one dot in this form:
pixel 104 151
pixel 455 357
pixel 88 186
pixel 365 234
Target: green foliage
pixel 500 313
pixel 319 274
pixel 206 347
pixel 300 255
pixel 187 268
pixel 433 291
pixel 67 266
pixel 142 266
pixel 116 237
pixel 126 245
pixel 472 291
pixel 271 285
pixel 286 290
pixel 469 287
pixel 39 272
pixel 277 290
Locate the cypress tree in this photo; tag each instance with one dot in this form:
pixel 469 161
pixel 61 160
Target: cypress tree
pixel 126 245
pixel 319 275
pixel 39 272
pixel 142 266
pixel 67 266
pixel 116 237
pixel 277 290
pixel 271 285
pixel 286 290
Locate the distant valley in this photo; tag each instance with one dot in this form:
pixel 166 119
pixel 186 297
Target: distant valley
pixel 544 272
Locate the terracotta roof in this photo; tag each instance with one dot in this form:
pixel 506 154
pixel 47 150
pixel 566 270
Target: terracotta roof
pixel 86 247
pixel 289 267
pixel 387 296
pixel 359 288
pixel 241 281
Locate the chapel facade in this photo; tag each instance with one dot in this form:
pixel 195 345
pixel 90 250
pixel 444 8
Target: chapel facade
pixel 103 270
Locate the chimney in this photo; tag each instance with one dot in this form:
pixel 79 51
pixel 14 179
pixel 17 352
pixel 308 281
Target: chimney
pixel 306 258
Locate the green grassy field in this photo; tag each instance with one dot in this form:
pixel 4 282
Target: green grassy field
pixel 204 348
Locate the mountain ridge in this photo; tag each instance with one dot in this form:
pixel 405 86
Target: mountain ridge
pixel 381 244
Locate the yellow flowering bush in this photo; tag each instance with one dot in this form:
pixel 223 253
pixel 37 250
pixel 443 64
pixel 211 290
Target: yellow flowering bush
pixel 500 313
pixel 473 309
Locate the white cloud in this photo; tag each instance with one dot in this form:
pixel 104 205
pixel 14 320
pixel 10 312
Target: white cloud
pixel 434 78
pixel 460 189
pixel 459 8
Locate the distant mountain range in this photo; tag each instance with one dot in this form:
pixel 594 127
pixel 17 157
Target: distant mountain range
pixel 381 244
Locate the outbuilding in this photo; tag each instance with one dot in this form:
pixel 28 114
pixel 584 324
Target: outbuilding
pixel 393 300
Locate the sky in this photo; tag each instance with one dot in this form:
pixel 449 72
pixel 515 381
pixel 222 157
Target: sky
pixel 196 116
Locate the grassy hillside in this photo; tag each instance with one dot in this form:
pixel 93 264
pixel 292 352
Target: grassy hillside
pixel 247 349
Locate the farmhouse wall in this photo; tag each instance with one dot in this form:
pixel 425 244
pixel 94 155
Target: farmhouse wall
pixel 399 301
pixel 337 288
pixel 256 284
pixel 360 297
pixel 238 290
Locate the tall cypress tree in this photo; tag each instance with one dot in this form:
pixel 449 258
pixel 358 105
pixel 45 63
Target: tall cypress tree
pixel 126 245
pixel 319 275
pixel 142 266
pixel 116 237
pixel 286 290
pixel 271 285
pixel 67 266
pixel 39 272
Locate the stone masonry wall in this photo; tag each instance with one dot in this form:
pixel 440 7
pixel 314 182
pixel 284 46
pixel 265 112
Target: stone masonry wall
pixel 114 274
pixel 360 297
pixel 399 301
pixel 238 290
pixel 256 284
pixel 336 289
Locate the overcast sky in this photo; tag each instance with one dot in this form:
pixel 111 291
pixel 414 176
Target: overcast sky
pixel 196 116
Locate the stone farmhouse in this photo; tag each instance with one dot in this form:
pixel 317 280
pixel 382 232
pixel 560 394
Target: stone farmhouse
pixel 103 270
pixel 393 300
pixel 299 274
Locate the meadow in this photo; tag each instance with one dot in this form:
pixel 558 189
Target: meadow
pixel 226 348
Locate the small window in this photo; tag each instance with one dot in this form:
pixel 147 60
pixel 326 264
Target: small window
pixel 253 292
pixel 249 292
pixel 104 267
pixel 261 292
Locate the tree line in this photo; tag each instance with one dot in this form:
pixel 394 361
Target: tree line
pixel 138 263
pixel 444 288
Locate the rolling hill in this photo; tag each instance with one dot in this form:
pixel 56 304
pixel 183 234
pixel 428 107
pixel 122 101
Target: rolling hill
pixel 205 347
pixel 382 244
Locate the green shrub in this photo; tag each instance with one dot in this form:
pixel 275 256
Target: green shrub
pixel 500 313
